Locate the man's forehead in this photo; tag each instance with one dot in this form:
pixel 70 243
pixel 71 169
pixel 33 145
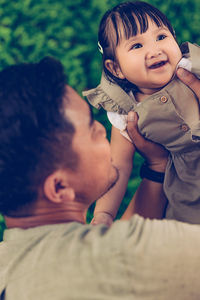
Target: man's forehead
pixel 75 105
pixel 72 98
pixel 70 94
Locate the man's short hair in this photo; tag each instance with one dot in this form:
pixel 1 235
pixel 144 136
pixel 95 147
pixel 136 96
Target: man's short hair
pixel 35 137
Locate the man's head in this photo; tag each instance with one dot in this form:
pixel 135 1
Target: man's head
pixel 39 137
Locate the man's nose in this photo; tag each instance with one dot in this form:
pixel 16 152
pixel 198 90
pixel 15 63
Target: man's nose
pixel 101 129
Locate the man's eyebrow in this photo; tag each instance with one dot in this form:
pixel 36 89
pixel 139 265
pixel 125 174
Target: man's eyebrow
pixel 91 115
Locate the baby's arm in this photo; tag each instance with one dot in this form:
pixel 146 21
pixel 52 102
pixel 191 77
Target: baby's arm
pixel 122 155
pixel 148 207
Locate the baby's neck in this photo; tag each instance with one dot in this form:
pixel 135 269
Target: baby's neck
pixel 142 95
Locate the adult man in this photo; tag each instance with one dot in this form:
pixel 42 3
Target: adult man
pixel 54 162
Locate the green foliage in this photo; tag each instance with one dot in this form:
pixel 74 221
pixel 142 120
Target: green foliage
pixel 67 30
pixel 2 227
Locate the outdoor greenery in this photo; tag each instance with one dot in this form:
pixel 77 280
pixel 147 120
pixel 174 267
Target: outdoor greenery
pixel 67 30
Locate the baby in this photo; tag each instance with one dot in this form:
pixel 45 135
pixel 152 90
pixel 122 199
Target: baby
pixel 140 57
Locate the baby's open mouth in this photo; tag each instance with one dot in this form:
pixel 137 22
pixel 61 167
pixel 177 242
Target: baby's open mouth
pixel 158 65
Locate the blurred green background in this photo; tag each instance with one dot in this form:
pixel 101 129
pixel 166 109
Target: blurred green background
pixel 67 30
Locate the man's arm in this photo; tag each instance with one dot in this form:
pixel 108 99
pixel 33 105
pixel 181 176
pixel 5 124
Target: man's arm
pixel 148 191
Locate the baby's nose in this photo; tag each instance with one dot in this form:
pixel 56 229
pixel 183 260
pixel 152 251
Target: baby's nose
pixel 154 52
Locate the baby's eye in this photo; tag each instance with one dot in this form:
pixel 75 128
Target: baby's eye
pixel 161 37
pixel 136 46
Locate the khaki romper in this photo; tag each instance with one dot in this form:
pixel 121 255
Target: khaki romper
pixel 169 117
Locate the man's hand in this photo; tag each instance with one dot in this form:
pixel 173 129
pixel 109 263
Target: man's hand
pixel 155 154
pixel 149 199
pixel 189 79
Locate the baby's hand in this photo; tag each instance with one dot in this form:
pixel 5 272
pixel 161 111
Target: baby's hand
pixel 102 218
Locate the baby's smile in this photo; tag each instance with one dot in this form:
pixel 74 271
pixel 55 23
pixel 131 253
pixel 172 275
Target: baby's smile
pixel 158 64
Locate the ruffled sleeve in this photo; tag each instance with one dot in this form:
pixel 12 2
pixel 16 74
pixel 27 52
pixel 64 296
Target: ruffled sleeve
pixel 110 96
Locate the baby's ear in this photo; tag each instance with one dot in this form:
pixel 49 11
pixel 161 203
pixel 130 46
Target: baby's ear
pixel 114 68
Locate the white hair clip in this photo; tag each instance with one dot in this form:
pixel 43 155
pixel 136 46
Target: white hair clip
pixel 100 48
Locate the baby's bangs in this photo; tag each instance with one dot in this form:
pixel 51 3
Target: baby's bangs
pixel 129 23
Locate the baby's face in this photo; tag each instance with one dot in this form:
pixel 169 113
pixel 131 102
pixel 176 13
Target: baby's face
pixel 148 60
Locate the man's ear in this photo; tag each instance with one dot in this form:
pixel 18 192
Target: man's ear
pixel 57 189
pixel 114 68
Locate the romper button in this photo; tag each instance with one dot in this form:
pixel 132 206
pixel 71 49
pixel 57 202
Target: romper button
pixel 163 99
pixel 184 127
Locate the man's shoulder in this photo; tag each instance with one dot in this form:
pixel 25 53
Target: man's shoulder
pixel 78 260
pixel 135 229
pixel 87 233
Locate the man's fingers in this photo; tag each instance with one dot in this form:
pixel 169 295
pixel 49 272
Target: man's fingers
pixel 133 130
pixel 132 127
pixel 154 153
pixel 189 79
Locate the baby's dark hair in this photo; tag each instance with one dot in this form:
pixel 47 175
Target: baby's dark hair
pixel 126 15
